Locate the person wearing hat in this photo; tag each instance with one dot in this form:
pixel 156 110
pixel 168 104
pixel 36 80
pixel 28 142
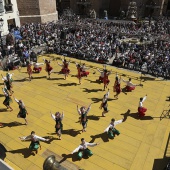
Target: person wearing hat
pixel 35 141
pixel 8 99
pixel 111 130
pixel 83 150
pixel 22 110
pixel 141 109
pixel 83 113
pixel 58 117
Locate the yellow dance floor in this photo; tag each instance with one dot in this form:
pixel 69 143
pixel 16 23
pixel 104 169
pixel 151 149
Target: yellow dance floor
pixel 141 143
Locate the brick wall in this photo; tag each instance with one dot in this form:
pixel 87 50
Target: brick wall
pixel 28 7
pixel 37 7
pixel 47 6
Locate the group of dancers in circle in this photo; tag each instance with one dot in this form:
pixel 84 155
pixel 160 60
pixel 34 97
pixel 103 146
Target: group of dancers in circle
pixel 82 149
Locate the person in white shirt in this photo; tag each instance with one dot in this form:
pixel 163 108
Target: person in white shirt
pixel 141 109
pixel 8 99
pixel 84 72
pixel 104 104
pixel 101 74
pixel 8 82
pixel 83 150
pixel 37 68
pixel 129 85
pixel 35 144
pixel 65 70
pixel 111 130
pixel 58 117
pixel 22 110
pixel 83 113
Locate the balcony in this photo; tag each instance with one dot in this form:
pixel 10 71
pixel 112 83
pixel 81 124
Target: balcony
pixel 8 8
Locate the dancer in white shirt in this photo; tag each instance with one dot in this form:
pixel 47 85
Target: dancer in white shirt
pixel 8 82
pixel 37 68
pixel 8 99
pixel 58 117
pixel 129 85
pixel 104 104
pixel 101 74
pixel 22 110
pixel 83 113
pixel 84 72
pixel 111 130
pixel 82 149
pixel 35 144
pixel 65 70
pixel 141 109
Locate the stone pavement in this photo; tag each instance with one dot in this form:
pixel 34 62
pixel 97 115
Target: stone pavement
pixel 140 144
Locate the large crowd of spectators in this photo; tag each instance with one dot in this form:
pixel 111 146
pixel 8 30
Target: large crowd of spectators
pixel 97 40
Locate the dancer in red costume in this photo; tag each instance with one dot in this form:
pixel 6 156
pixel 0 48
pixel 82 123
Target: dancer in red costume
pixel 101 75
pixel 48 68
pixel 79 72
pixel 37 68
pixel 116 87
pixel 106 80
pixel 29 70
pixel 129 85
pixel 141 109
pixel 65 70
pixel 84 73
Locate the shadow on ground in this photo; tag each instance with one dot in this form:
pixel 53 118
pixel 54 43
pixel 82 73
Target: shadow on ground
pixel 96 100
pixel 91 90
pixel 12 124
pixel 26 152
pixel 136 116
pixel 68 84
pixel 2 151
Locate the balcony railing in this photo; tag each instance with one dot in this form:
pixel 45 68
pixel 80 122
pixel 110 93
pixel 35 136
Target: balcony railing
pixel 9 8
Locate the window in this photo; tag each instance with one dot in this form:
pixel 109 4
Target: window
pixel 7 2
pixel 1 7
pixel 8 6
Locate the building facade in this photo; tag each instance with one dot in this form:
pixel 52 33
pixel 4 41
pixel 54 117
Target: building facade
pixel 115 7
pixel 9 16
pixel 37 11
